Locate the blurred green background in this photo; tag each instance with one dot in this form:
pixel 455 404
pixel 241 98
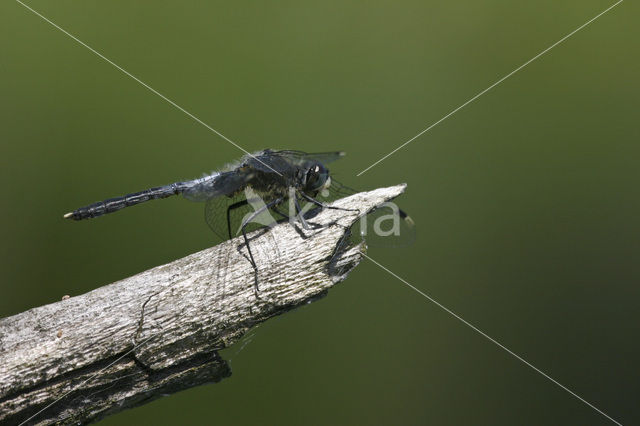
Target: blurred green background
pixel 526 201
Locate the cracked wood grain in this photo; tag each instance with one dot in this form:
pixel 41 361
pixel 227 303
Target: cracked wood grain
pixel 159 332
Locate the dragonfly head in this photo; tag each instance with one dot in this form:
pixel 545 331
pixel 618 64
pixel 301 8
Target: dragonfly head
pixel 316 178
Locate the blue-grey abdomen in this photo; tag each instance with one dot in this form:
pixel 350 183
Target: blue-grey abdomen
pixel 114 204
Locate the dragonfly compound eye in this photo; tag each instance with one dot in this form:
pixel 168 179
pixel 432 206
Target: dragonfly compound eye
pixel 317 176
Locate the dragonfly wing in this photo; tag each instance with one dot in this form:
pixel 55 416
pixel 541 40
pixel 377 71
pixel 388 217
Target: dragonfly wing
pixel 225 215
pixel 338 190
pixel 284 161
pixel 268 161
pixel 299 157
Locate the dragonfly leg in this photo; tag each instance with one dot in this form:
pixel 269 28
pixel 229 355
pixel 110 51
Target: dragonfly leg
pixel 233 207
pixel 323 205
pixel 403 215
pixel 277 210
pixel 305 225
pixel 246 240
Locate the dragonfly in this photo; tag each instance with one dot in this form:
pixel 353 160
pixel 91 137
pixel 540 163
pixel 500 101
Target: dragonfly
pixel 244 191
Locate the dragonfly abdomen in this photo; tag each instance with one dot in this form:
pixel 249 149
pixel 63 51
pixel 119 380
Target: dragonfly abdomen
pixel 114 204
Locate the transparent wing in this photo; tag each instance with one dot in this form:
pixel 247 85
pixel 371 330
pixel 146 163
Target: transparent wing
pixel 268 162
pixel 338 190
pixel 284 161
pixel 322 157
pixel 224 215
pixel 215 215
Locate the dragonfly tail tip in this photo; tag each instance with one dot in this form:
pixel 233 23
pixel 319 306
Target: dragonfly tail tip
pixel 68 215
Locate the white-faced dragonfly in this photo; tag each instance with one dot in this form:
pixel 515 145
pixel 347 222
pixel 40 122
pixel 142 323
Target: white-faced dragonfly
pixel 258 183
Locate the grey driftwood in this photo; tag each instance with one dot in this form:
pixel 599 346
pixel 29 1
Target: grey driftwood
pixel 159 332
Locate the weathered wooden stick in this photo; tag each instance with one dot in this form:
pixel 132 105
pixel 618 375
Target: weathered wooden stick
pixel 159 332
